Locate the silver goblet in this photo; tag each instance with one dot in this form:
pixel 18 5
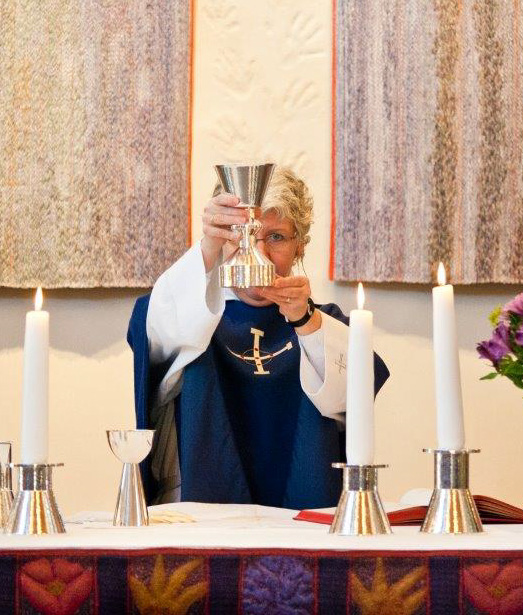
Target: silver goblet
pixel 247 266
pixel 130 446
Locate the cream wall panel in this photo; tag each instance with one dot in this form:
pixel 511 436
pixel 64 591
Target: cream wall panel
pixel 261 91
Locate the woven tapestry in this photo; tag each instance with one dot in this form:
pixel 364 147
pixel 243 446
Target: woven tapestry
pixel 94 141
pixel 428 140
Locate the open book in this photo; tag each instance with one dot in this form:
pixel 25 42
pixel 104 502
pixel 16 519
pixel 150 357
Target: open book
pixel 490 510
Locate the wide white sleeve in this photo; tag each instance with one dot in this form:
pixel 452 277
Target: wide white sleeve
pixel 184 310
pixel 323 371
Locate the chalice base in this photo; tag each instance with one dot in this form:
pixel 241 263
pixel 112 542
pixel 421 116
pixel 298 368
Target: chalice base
pixel 247 268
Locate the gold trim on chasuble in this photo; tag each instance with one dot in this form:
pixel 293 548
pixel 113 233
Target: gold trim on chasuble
pixel 259 356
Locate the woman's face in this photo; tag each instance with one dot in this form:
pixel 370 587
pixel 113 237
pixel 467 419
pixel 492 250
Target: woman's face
pixel 277 240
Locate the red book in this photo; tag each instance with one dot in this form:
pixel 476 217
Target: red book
pixel 490 510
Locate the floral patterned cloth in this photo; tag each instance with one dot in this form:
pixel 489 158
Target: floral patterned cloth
pixel 261 581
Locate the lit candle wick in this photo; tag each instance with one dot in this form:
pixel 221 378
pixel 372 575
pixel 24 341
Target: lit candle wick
pixel 442 275
pixel 361 296
pixel 39 299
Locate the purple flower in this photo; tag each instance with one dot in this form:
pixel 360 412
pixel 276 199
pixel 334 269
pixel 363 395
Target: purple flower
pixel 497 346
pixel 518 336
pixel 275 585
pixel 515 306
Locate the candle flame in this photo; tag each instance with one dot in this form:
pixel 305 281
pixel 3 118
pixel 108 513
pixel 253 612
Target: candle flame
pixel 39 299
pixel 361 296
pixel 442 275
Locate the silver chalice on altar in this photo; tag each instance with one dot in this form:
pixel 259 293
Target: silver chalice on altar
pixel 247 266
pixel 130 446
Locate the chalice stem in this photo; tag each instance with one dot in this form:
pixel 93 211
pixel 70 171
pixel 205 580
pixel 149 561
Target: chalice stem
pixel 131 508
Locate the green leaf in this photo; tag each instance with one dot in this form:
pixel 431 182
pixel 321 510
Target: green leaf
pixel 494 316
pixel 518 351
pixel 489 376
pixel 504 364
pixel 513 369
pixel 517 381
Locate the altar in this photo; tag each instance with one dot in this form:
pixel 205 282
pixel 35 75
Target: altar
pixel 255 559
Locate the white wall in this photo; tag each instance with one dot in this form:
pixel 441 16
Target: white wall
pixel 262 90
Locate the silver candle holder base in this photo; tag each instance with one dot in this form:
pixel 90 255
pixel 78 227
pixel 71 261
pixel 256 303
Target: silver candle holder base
pixel 6 503
pixel 360 511
pixel 34 509
pixel 452 509
pixel 6 488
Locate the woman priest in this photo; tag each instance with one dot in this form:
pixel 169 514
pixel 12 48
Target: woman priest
pixel 245 388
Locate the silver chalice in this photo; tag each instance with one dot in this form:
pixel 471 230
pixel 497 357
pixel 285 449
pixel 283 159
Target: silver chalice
pixel 130 446
pixel 247 266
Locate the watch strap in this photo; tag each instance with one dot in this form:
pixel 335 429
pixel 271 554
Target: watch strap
pixel 306 317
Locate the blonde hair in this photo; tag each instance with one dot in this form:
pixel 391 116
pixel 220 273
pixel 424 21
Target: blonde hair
pixel 289 196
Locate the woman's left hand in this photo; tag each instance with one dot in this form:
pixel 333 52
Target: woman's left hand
pixel 290 294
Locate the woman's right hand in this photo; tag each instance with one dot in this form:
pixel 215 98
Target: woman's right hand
pixel 220 213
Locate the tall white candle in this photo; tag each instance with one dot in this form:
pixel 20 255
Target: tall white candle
pixel 360 386
pixel 35 397
pixel 449 404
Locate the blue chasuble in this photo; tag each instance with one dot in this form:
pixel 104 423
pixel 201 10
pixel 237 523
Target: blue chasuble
pixel 247 433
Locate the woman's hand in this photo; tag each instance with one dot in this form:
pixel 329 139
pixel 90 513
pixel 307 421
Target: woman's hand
pixel 291 294
pixel 219 214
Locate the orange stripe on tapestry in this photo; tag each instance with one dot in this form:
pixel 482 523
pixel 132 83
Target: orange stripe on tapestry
pixel 333 147
pixel 192 21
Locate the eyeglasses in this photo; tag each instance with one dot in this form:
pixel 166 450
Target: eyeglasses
pixel 276 242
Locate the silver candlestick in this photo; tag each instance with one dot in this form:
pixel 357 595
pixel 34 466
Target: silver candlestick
pixel 34 510
pixel 360 511
pixel 6 484
pixel 130 446
pixel 452 509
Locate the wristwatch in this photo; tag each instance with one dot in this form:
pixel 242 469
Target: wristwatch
pixel 306 317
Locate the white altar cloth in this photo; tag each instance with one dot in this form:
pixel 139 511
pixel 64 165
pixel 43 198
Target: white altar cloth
pixel 239 526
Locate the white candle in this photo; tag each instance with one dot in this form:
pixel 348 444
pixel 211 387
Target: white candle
pixel 360 386
pixel 35 397
pixel 449 405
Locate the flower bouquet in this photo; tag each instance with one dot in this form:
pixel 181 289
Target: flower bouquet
pixel 505 348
